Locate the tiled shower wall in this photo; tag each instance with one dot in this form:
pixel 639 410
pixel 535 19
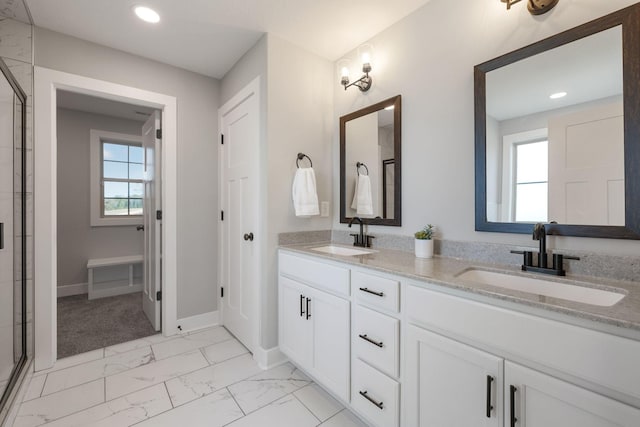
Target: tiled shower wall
pixel 16 52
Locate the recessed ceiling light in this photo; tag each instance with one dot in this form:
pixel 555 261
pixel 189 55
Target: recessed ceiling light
pixel 147 14
pixel 558 95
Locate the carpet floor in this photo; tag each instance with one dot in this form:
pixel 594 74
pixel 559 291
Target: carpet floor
pixel 85 325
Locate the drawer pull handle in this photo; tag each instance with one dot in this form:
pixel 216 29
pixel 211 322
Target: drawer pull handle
pixel 380 294
pixel 301 305
pixel 367 339
pixel 512 405
pixel 489 405
pixel 366 396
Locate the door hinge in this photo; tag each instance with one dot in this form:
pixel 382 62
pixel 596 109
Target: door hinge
pixel 221 292
pixel 158 133
pixel 221 139
pixel 159 296
pixel 221 215
pixel 158 215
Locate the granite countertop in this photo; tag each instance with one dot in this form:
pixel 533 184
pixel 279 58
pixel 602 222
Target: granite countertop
pixel 443 271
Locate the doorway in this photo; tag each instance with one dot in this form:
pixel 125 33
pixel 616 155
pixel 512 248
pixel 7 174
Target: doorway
pixel 240 228
pixel 46 85
pixel 106 222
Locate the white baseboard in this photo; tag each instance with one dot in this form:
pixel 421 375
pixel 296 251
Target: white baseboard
pixel 198 321
pixel 68 290
pixel 270 358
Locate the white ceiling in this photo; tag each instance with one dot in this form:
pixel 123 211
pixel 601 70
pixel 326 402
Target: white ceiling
pixel 587 69
pixel 91 104
pixel 209 36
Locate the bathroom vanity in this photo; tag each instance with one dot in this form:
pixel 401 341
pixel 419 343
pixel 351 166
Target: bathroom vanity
pixel 411 342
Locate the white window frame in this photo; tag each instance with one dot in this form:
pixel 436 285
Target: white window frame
pixel 97 137
pixel 509 143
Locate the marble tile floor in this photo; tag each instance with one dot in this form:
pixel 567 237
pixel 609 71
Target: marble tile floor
pixel 204 378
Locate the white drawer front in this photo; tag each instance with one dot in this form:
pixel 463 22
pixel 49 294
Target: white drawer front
pixel 382 409
pixel 376 339
pixel 318 274
pixel 376 291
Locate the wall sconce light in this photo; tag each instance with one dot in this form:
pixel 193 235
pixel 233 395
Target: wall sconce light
pixel 364 82
pixel 536 7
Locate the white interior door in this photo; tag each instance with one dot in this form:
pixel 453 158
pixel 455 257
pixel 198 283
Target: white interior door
pixel 586 167
pixel 152 226
pixel 239 156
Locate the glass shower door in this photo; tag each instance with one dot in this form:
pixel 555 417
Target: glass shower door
pixel 12 235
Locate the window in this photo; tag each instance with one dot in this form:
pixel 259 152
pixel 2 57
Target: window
pixel 531 181
pixel 525 176
pixel 117 171
pixel 122 187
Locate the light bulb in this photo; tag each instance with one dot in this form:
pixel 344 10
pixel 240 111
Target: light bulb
pixel 366 58
pixel 344 72
pixel 147 14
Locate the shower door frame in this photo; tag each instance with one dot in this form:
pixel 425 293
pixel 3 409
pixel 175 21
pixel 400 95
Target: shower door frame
pixel 22 361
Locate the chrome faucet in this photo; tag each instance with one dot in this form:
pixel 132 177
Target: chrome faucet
pixel 557 269
pixel 361 239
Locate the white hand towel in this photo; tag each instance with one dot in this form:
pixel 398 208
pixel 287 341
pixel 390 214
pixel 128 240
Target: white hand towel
pixel 365 201
pixel 305 197
pixel 354 203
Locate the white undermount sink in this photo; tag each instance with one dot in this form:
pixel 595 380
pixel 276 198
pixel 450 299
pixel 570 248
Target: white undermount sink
pixel 565 291
pixel 341 250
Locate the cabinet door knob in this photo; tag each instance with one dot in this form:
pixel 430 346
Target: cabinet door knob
pixel 248 237
pixel 369 291
pixel 366 396
pixel 367 339
pixel 489 405
pixel 512 405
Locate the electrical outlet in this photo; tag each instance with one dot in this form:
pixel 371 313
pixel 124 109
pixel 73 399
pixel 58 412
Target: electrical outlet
pixel 324 209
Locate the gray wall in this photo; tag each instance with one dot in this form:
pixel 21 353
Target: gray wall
pixel 428 57
pixel 197 98
pixel 77 240
pixel 296 118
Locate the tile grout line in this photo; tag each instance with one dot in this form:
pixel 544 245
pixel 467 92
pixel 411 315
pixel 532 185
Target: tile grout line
pixel 169 395
pixel 95 379
pixel 235 400
pixel 305 406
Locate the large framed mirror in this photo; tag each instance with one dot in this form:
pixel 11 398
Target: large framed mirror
pixel 371 164
pixel 557 133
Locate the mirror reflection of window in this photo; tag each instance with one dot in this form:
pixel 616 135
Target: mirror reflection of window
pixel 531 183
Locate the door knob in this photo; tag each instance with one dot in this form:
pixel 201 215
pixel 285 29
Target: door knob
pixel 248 237
pixel 140 227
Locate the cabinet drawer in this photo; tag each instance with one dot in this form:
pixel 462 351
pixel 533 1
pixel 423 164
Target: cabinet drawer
pixel 376 339
pixel 383 392
pixel 376 291
pixel 318 274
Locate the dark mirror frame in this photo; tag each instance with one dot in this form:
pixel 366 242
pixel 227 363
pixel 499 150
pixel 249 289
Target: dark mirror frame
pixel 629 19
pixel 397 149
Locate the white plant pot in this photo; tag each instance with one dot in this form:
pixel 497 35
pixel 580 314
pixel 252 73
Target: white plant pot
pixel 424 248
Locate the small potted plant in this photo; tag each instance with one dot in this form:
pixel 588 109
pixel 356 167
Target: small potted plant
pixel 424 242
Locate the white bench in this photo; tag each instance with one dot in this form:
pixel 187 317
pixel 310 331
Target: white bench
pixel 113 287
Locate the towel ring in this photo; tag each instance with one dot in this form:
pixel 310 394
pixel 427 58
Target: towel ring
pixel 302 156
pixel 358 165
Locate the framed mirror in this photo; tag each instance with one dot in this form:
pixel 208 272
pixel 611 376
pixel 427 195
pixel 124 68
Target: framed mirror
pixel 370 164
pixel 557 133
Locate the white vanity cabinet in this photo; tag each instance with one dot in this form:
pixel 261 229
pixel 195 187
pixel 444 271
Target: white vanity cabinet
pixel 451 385
pixel 314 323
pixel 375 344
